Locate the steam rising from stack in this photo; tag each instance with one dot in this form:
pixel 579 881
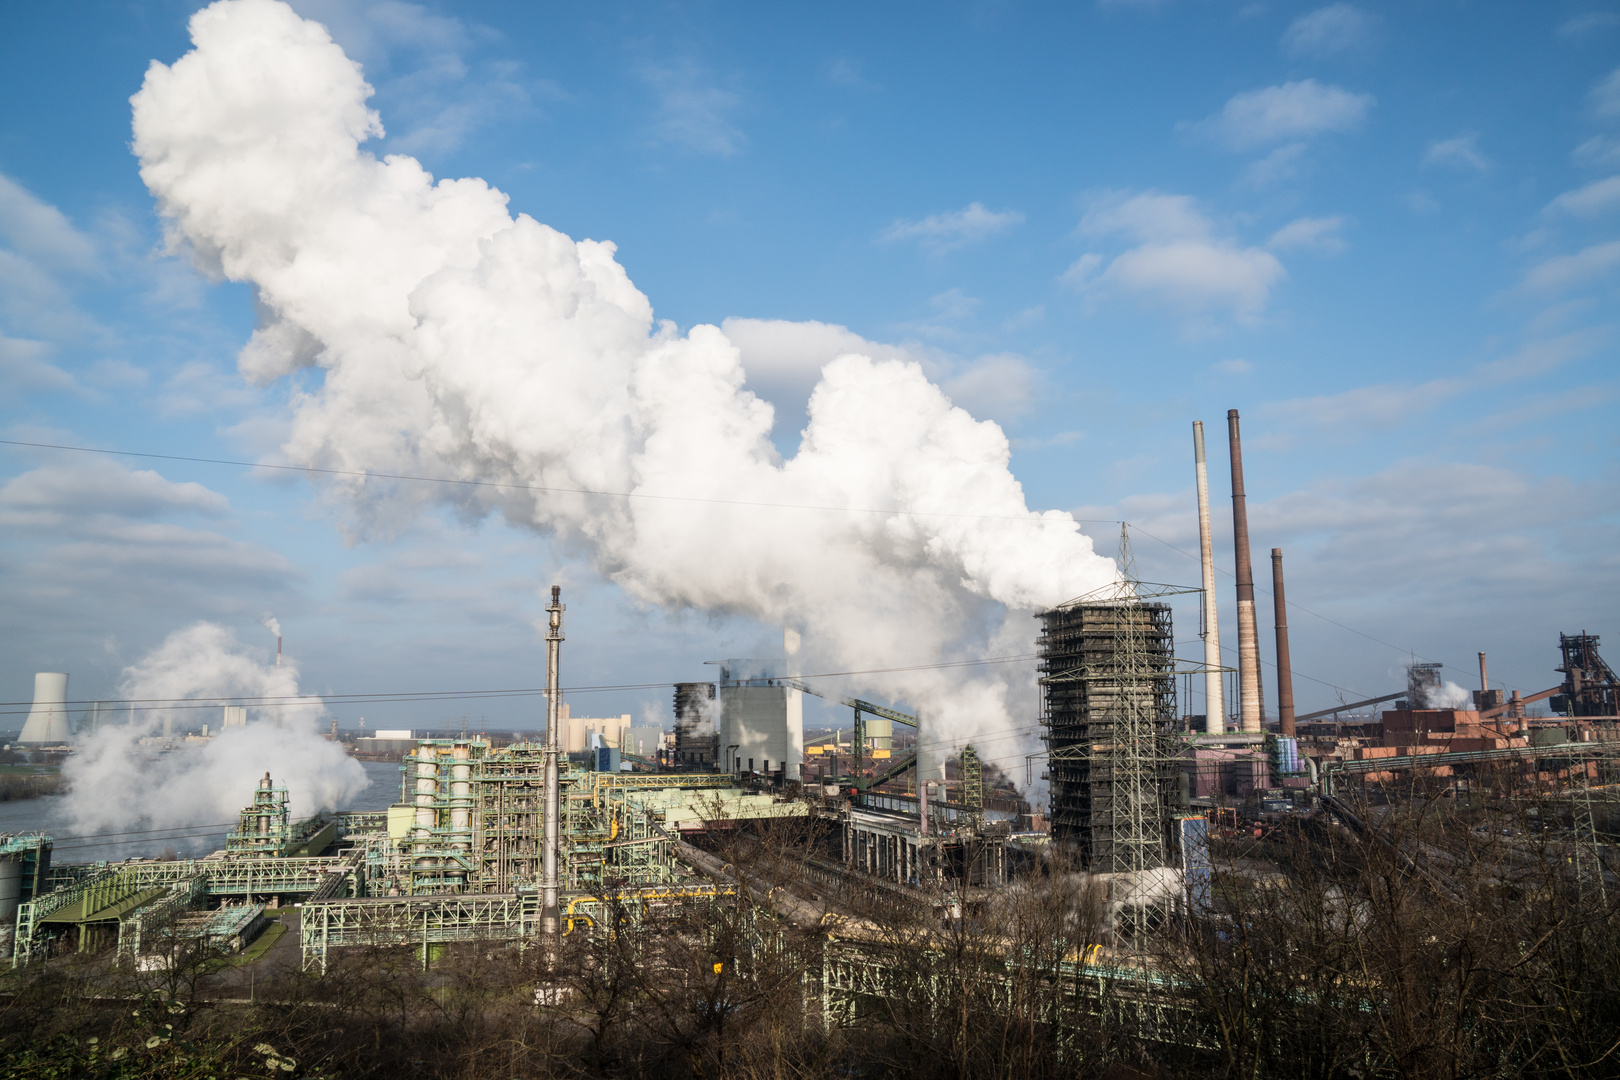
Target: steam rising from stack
pixel 458 341
pixel 114 780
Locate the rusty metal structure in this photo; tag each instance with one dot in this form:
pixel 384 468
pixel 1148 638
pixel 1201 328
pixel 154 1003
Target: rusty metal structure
pixel 696 736
pixel 1590 686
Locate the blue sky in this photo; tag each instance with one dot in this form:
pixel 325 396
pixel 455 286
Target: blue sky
pixel 1388 233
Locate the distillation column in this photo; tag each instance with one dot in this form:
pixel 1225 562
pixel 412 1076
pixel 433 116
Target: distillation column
pixel 553 838
pixel 1214 696
pixel 461 801
pixel 427 814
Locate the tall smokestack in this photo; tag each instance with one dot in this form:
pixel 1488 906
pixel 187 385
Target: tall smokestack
pixel 1214 697
pixel 548 884
pixel 1248 637
pixel 278 650
pixel 1484 683
pixel 1285 668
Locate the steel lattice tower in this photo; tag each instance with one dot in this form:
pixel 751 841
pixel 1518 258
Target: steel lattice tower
pixel 1108 672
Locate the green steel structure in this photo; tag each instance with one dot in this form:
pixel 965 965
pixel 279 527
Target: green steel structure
pixel 471 820
pixel 426 921
pixel 458 857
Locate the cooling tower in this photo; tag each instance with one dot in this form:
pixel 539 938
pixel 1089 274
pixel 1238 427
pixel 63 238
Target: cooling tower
pixel 48 719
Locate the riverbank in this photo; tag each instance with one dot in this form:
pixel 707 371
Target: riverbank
pixel 18 785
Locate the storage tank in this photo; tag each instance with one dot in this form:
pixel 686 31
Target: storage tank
pixel 11 873
pixel 47 723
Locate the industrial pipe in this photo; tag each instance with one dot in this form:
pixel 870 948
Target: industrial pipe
pixel 548 884
pixel 1248 636
pixel 1214 697
pixel 1285 669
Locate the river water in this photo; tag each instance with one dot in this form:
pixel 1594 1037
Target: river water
pixel 138 839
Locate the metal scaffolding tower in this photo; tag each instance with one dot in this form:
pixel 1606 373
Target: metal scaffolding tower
pixel 1108 674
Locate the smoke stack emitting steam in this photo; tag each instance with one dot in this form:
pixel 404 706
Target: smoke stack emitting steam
pixel 273 624
pixel 113 781
pixel 444 325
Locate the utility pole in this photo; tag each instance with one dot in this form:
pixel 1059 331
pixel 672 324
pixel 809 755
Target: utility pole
pixel 548 883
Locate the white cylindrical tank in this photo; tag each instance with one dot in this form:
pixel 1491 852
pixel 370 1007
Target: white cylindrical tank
pixel 427 788
pixel 47 722
pixel 427 815
pixel 460 789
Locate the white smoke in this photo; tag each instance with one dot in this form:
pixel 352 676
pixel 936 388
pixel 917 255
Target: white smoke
pixel 1451 696
pixel 115 780
pixel 456 340
pixel 271 623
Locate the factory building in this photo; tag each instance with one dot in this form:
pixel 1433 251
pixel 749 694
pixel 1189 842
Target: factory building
pixel 761 727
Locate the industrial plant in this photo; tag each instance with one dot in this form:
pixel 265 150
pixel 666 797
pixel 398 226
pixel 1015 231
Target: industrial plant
pixel 604 824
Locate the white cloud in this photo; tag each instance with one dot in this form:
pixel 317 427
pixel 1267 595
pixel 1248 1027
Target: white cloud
pixel 1281 164
pixel 39 251
pixel 784 359
pixel 1294 110
pixel 1386 405
pixel 1309 234
pixel 1193 275
pixel 437 93
pixel 1420 202
pixel 942 232
pixel 1591 22
pixel 1148 216
pixel 92 535
pixel 1028 317
pixel 1593 198
pixel 953 304
pixel 41 232
pixel 23 367
pixel 1233 366
pixel 1326 31
pixel 1606 95
pixel 1597 152
pixel 693 113
pixel 1000 385
pixel 1458 152
pixel 1179 261
pixel 1566 271
pixel 59 495
pixel 845 71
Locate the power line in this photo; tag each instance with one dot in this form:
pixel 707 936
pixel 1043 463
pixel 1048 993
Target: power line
pixel 1315 614
pixel 15 708
pixel 1031 516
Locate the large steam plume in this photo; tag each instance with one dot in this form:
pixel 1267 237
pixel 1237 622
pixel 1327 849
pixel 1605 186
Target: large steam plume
pixel 115 780
pixel 456 340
